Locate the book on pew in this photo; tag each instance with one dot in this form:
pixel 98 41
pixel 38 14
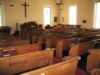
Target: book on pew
pixel 13 51
pixel 6 53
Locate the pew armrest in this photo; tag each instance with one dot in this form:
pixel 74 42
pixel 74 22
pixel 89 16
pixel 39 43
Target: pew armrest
pixel 67 57
pixel 70 57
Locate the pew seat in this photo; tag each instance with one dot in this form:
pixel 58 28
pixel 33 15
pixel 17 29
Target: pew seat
pixel 25 62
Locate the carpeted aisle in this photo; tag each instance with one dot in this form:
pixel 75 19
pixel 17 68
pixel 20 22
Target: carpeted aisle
pixel 80 72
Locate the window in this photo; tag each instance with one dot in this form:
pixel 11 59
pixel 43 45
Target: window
pixel 1 14
pixel 47 15
pixel 97 15
pixel 72 14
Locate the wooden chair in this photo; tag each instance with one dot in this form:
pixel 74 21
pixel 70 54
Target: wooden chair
pixel 67 67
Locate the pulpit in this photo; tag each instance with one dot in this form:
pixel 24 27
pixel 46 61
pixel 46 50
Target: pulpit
pixel 28 29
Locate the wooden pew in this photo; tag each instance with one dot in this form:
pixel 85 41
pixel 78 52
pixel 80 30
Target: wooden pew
pixel 9 40
pixel 52 39
pixel 63 45
pixel 93 60
pixel 81 48
pixel 25 62
pixel 18 42
pixel 15 50
pixel 95 72
pixel 51 42
pixel 67 67
pixel 48 43
pixel 75 48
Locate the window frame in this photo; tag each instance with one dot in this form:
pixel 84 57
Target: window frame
pixel 3 13
pixel 69 14
pixel 47 6
pixel 94 15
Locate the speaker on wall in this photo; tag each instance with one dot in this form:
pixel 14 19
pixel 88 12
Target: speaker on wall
pixel 58 1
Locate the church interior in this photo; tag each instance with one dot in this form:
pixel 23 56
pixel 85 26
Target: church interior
pixel 49 37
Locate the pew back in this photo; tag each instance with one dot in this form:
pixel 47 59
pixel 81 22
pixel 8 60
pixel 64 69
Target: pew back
pixel 27 48
pixel 80 48
pixel 25 62
pixel 67 67
pixel 19 49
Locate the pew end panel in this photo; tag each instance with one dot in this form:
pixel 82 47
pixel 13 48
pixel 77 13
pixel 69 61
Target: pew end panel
pixel 59 49
pixel 48 43
pixel 4 63
pixel 74 49
pixel 95 72
pixel 62 45
pixel 93 60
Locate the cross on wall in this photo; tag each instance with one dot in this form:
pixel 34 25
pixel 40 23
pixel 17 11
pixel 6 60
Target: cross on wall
pixel 25 8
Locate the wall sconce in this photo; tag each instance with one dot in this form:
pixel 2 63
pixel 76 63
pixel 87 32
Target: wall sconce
pixel 58 2
pixel 11 3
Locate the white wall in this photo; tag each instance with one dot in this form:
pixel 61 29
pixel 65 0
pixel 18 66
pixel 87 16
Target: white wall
pixel 34 11
pixel 85 11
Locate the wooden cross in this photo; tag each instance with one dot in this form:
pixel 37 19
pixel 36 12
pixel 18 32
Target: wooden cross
pixel 25 7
